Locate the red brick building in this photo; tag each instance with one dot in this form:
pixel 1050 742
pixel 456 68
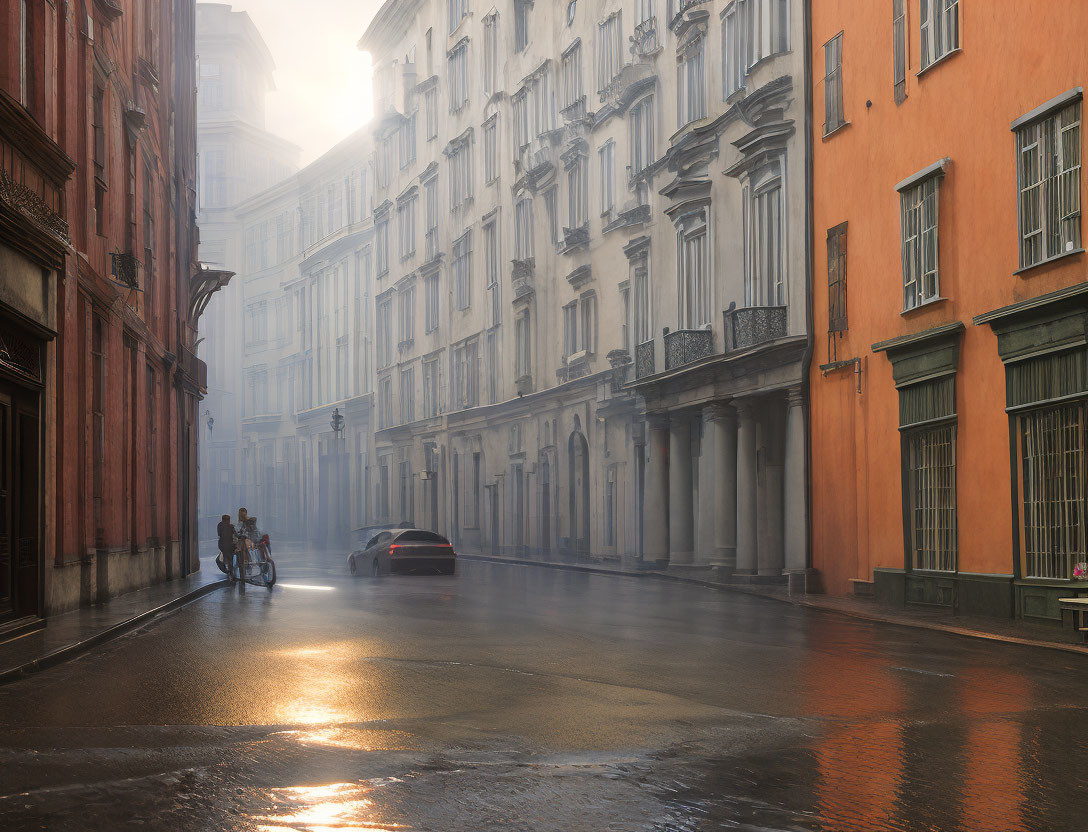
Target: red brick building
pixel 99 384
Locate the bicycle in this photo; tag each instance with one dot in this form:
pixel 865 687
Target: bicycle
pixel 259 568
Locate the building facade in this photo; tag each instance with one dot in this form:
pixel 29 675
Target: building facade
pixel 238 159
pixel 590 320
pixel 955 317
pixel 98 285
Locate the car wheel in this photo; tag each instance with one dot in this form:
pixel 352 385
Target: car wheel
pixel 352 568
pixel 375 570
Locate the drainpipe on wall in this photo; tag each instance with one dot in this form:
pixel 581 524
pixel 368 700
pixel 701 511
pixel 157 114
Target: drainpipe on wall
pixel 806 361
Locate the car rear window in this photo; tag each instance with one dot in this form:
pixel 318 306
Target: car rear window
pixel 421 537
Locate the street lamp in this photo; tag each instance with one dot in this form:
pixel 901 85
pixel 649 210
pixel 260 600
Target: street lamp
pixel 337 422
pixel 211 421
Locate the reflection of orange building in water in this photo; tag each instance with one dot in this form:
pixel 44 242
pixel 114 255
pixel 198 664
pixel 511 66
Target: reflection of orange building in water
pixel 950 396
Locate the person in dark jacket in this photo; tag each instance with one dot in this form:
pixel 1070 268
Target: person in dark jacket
pixel 226 544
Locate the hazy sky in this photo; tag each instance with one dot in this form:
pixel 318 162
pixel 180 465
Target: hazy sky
pixel 322 79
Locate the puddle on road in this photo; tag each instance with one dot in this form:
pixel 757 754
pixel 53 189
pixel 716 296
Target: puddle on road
pixel 344 807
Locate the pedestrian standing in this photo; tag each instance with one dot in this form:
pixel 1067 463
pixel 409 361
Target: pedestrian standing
pixel 226 545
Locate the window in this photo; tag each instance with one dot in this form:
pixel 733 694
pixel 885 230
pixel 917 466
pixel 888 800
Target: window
pixel 1049 181
pixel 588 305
pixel 606 156
pixel 462 271
pixel 256 324
pixel 430 110
pixel 940 24
pixel 1053 482
pixel 640 282
pixel 430 288
pixel 460 167
pixel 99 127
pixel 899 50
pixel 919 224
pixel 491 150
pixel 385 403
pixel 382 235
pixel 691 83
pixel 521 24
pixel 382 496
pixel 580 325
pixel 551 199
pixel 520 105
pixel 571 79
pixel 407 395
pixel 408 315
pixel 641 120
pixel 931 455
pixel 384 325
pixel 577 193
pixel 523 229
pixel 493 368
pixel 644 10
pixel 836 279
pixel 406 220
pixel 491 257
pixel 458 10
pixel 383 162
pixel 430 193
pixel 408 142
pixel 466 374
pixel 609 51
pixel 430 389
pixel 523 366
pixel 458 76
pixel 734 51
pixel 544 102
pixel 472 504
pixel 834 118
pixel 694 272
pixel 765 243
pixel 570 329
pixel 491 54
pixel 149 242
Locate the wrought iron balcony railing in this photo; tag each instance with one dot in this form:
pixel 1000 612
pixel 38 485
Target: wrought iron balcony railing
pixel 753 325
pixel 683 346
pixel 644 359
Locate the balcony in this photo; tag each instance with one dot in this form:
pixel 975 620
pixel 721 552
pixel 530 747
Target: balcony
pixel 126 269
pixel 683 346
pixel 194 371
pixel 620 362
pixel 644 359
pixel 574 239
pixel 645 42
pixel 522 278
pixel 752 325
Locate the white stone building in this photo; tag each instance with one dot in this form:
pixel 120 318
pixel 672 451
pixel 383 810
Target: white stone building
pixel 591 243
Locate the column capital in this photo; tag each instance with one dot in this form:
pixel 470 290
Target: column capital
pixel 680 420
pixel 795 397
pixel 720 412
pixel 746 409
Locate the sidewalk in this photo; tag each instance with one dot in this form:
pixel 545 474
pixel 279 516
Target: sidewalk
pixel 1006 631
pixel 69 634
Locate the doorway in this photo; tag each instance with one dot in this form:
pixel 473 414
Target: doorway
pixel 20 501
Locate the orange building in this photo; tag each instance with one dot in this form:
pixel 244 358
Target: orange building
pixel 950 396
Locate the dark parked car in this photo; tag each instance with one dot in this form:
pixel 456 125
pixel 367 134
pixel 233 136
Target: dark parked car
pixel 404 551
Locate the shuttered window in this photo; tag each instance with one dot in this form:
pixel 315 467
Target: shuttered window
pixel 899 49
pixel 834 116
pixel 921 282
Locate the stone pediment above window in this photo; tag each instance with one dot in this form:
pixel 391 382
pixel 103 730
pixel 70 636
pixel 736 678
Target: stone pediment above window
pixel 577 150
pixel 388 123
pixel 430 171
pixel 686 196
pixel 426 84
pixel 629 216
pixel 636 248
pixel 574 239
pixel 384 208
pixel 408 193
pixel 455 144
pixel 633 81
pixel 688 12
pixel 758 147
pixel 580 276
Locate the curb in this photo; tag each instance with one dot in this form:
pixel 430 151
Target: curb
pixel 70 651
pixel 862 615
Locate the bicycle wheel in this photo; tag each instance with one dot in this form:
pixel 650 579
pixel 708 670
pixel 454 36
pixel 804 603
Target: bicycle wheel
pixel 270 573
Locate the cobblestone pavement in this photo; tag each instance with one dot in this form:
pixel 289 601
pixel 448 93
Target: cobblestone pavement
pixel 519 698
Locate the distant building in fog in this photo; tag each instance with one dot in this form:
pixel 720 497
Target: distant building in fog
pixel 237 158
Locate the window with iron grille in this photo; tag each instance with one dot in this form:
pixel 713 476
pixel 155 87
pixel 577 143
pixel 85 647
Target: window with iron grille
pixel 430 288
pixel 940 29
pixel 462 271
pixel 1048 172
pixel 609 50
pixel 899 50
pixel 836 279
pixel 1052 481
pixel 920 243
pixel 834 116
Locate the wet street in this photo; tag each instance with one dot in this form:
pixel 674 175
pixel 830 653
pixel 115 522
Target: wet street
pixel 520 698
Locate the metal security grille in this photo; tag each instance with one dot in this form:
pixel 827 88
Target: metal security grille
pixel 932 459
pixel 1053 476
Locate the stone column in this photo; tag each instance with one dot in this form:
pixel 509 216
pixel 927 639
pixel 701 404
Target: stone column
pixel 746 490
pixel 681 515
pixel 769 535
pixel 796 509
pixel 655 499
pixel 724 422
